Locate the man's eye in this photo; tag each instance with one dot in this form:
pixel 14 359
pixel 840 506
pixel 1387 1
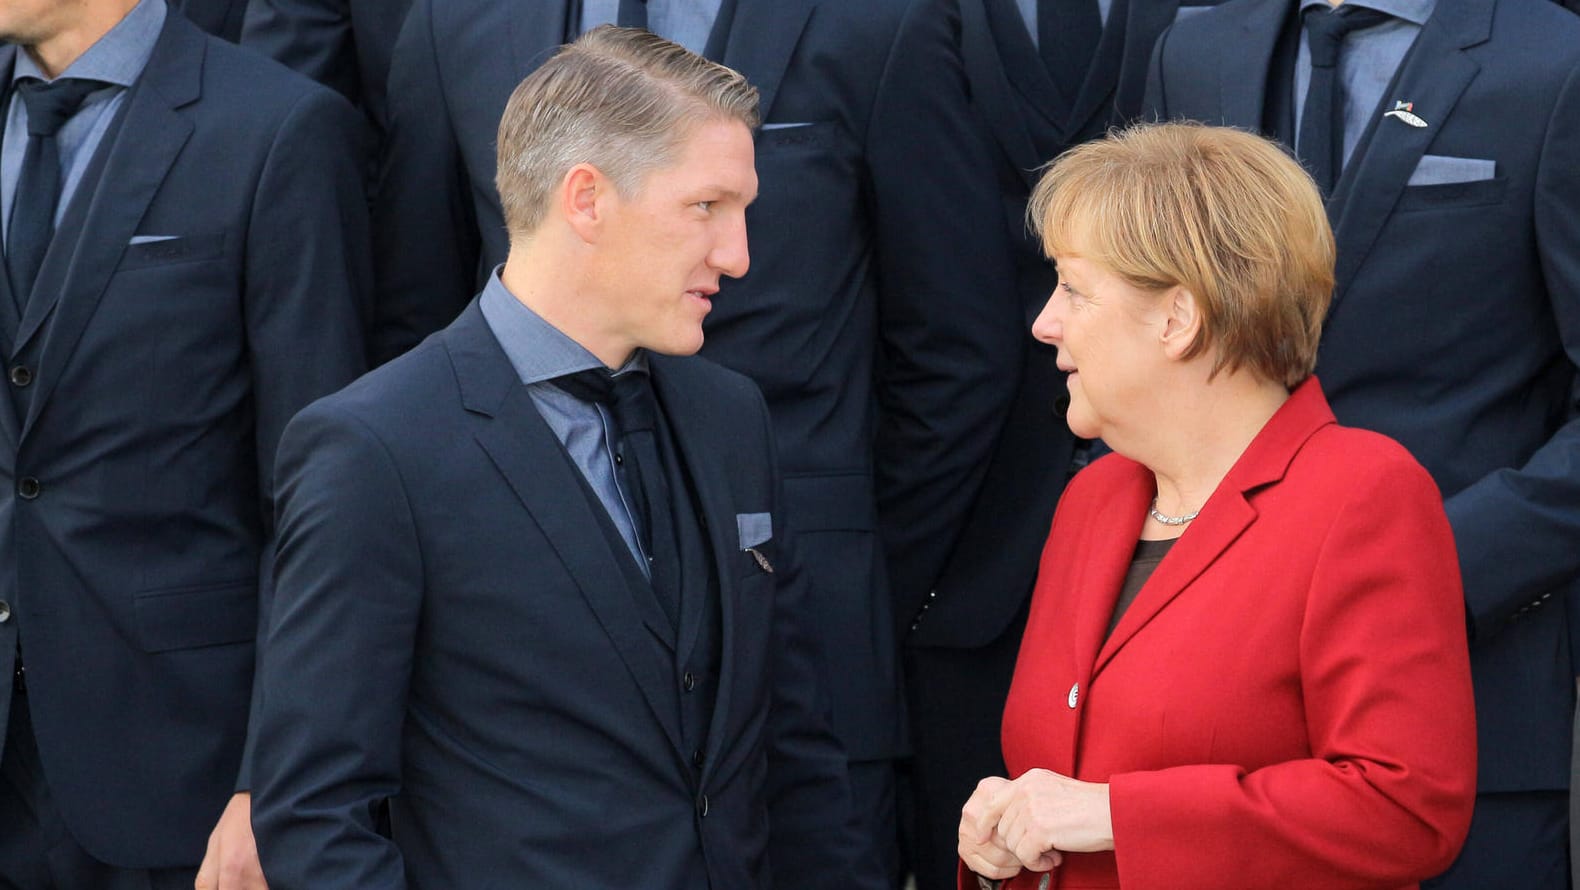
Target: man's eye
pixel 705 205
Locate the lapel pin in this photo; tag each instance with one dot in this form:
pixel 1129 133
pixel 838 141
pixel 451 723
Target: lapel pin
pixel 1405 111
pixel 762 561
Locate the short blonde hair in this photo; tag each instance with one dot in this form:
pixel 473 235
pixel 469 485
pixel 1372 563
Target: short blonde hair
pixel 621 99
pixel 1226 214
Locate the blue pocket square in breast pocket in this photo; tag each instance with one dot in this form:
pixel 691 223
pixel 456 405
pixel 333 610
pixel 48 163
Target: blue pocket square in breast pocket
pixel 754 528
pixel 1444 170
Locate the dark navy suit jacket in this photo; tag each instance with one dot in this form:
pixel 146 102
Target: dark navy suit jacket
pixel 161 375
pixel 453 629
pixel 875 308
pixel 222 18
pixel 1455 326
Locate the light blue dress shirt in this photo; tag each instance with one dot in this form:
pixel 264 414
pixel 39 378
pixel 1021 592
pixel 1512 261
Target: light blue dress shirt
pixel 1368 60
pixel 118 58
pixel 540 352
pixel 686 22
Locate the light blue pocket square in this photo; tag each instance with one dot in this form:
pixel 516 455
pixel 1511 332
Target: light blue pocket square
pixel 152 239
pixel 787 126
pixel 754 528
pixel 1445 170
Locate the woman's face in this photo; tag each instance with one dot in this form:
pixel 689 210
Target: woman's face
pixel 1109 338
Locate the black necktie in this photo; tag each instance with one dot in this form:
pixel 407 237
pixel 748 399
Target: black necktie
pixel 639 470
pixel 632 14
pixel 1068 32
pixel 1321 141
pixel 49 106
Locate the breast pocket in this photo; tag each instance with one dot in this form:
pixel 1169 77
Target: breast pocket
pixel 1446 195
pixel 150 251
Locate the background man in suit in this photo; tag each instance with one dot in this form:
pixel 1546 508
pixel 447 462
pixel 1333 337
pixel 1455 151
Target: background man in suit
pixel 1446 134
pixel 186 255
pixel 568 589
pixel 878 307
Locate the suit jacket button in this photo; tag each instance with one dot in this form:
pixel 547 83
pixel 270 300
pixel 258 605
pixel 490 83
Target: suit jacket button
pixel 696 756
pixel 689 681
pixel 1075 694
pixel 5 611
pixel 21 375
pixel 28 488
pixel 702 805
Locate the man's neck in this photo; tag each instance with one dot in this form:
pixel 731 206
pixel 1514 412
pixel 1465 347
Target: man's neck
pixel 82 28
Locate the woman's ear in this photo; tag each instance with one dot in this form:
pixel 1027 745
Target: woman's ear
pixel 1182 321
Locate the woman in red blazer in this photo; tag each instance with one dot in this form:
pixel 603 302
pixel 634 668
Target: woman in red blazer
pixel 1245 664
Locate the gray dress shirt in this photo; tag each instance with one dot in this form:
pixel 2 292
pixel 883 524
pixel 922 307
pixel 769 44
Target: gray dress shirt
pixel 540 352
pixel 686 22
pixel 1368 61
pixel 118 58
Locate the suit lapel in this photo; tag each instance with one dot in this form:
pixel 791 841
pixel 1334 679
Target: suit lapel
pixel 1103 77
pixel 1225 516
pixel 525 451
pixel 108 211
pixel 991 92
pixel 1110 541
pixel 8 315
pixel 762 39
pixel 1433 77
pixel 1244 70
pixel 1044 106
pixel 697 431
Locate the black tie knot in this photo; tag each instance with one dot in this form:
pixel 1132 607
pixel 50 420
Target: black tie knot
pixel 629 397
pixel 1327 27
pixel 50 105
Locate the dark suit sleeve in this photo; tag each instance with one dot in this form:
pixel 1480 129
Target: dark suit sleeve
pixel 814 838
pixel 312 37
pixel 308 283
pixel 949 315
pixel 1155 105
pixel 337 663
pixel 426 244
pixel 1518 530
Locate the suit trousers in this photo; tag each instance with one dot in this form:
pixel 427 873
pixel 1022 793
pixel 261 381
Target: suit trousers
pixel 1517 842
pixel 37 852
pixel 956 702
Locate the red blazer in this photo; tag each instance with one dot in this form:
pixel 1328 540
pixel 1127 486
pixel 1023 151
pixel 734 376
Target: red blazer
pixel 1287 703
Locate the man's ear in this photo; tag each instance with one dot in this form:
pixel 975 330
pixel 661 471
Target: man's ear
pixel 1182 322
pixel 583 200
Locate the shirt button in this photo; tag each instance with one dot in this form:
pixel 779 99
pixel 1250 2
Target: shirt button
pixel 21 375
pixel 28 488
pixel 620 461
pixel 689 681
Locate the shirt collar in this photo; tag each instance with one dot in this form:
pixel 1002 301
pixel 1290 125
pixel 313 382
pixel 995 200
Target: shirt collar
pixel 538 350
pixel 1414 11
pixel 116 58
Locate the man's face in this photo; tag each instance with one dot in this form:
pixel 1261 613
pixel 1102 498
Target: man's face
pixel 31 22
pixel 666 247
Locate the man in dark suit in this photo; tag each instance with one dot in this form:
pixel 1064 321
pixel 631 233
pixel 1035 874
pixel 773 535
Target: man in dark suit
pixel 186 259
pixel 1449 156
pixel 878 308
pixel 345 44
pixel 222 18
pixel 1039 77
pixel 553 546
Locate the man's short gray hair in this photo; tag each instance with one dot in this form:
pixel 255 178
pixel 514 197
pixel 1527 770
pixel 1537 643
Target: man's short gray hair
pixel 620 99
